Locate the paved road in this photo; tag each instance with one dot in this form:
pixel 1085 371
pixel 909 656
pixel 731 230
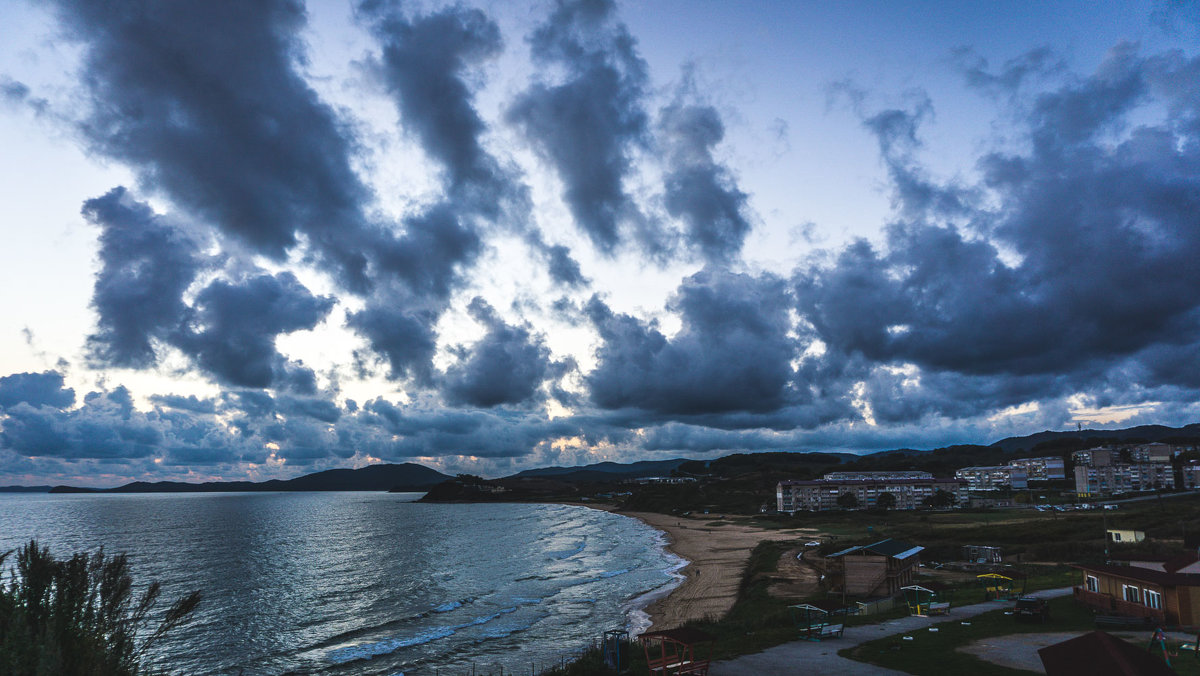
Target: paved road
pixel 807 657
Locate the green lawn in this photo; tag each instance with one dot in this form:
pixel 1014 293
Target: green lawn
pixel 935 653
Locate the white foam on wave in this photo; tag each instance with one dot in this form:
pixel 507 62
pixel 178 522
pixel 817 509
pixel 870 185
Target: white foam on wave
pixel 638 619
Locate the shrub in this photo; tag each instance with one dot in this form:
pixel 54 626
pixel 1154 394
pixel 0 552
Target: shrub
pixel 78 616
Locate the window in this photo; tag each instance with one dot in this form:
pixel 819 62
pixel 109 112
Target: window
pixel 1116 537
pixel 1130 593
pixel 1153 600
pixel 1093 584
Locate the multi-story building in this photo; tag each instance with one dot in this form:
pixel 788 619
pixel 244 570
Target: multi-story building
pixel 1095 457
pixel 992 478
pixel 1048 468
pixel 1122 478
pixel 1156 452
pixel 822 494
pixel 850 476
pixel 1189 476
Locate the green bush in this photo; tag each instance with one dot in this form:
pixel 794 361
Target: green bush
pixel 78 616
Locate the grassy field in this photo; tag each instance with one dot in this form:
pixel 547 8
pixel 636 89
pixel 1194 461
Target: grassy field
pixel 936 653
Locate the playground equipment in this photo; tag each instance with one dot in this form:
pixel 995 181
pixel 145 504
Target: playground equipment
pixel 1003 587
pixel 814 622
pixel 677 652
pixel 929 598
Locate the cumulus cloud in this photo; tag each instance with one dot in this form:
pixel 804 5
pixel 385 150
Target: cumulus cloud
pixel 698 189
pixel 506 366
pixel 36 390
pixel 732 353
pixel 235 327
pixel 588 125
pixel 1068 263
pixel 146 265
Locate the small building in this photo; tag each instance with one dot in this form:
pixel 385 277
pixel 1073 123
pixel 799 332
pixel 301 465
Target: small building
pixel 1172 598
pixel 1095 457
pixel 1125 536
pixel 1156 452
pixel 879 569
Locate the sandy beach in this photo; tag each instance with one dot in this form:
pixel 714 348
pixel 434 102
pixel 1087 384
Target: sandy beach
pixel 717 551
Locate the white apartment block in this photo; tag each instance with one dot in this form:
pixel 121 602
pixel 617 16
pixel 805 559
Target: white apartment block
pixel 992 478
pixel 1123 478
pixel 822 495
pixel 1048 468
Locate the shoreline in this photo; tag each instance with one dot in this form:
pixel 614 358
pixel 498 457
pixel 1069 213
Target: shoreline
pixel 713 554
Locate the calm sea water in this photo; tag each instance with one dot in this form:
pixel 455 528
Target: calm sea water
pixel 363 583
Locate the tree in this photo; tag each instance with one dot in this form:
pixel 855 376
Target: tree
pixel 885 501
pixel 847 501
pixel 941 498
pixel 79 616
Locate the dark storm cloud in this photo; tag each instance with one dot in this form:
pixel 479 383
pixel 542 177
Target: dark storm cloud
pixel 732 353
pixel 699 190
pixel 587 126
pixel 402 332
pixel 1069 263
pixel 423 65
pixel 35 389
pixel 506 366
pixel 146 265
pixel 236 324
pixel 106 426
pixel 203 101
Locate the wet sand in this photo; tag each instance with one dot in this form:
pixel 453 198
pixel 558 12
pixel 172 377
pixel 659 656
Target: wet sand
pixel 716 555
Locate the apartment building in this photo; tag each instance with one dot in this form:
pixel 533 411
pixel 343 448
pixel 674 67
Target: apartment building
pixel 992 478
pixel 1123 478
pixel 1048 468
pixel 822 494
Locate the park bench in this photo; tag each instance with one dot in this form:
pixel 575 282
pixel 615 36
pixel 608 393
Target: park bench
pixel 830 631
pixel 939 608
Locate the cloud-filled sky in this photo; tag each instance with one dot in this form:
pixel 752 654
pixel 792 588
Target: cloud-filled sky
pixel 255 240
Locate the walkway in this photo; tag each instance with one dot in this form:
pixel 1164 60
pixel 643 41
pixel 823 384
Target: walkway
pixel 807 657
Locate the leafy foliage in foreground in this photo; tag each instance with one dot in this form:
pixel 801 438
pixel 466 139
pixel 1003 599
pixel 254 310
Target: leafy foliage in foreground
pixel 78 616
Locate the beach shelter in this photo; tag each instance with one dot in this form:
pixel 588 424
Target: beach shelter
pixel 677 652
pixel 808 618
pixel 997 586
pixel 927 598
pixel 1100 654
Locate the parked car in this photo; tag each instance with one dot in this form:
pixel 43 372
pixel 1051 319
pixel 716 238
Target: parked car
pixel 1030 608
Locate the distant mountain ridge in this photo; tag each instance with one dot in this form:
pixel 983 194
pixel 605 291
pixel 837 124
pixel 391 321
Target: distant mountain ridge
pixel 414 477
pixel 406 476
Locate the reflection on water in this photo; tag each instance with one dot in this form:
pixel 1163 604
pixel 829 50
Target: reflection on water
pixel 361 583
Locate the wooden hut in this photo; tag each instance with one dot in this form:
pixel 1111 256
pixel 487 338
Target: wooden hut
pixel 878 569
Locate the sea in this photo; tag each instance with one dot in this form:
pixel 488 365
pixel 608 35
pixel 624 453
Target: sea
pixel 364 583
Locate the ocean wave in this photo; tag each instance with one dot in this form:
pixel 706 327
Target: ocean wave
pixel 367 651
pixel 568 553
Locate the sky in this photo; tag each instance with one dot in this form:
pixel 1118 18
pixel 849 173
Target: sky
pixel 257 240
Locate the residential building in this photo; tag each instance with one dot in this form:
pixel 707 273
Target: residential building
pixel 1166 598
pixel 1095 457
pixel 1156 452
pixel 822 494
pixel 1189 476
pixel 878 569
pixel 992 478
pixel 1125 536
pixel 1122 478
pixel 1049 468
pixel 852 476
pixel 1188 563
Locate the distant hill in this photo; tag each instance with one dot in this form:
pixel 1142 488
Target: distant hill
pixel 604 471
pixel 402 477
pixel 1082 438
pixel 24 489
